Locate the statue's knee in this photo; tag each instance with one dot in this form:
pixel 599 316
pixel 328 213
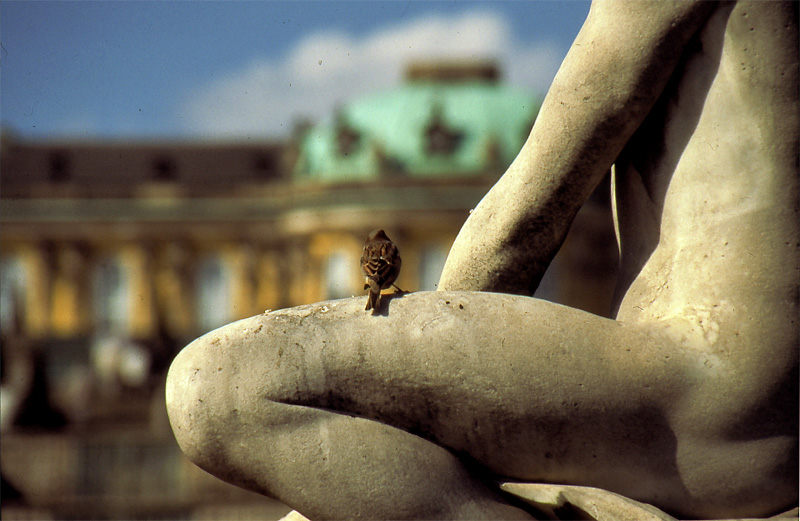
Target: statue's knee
pixel 217 388
pixel 189 406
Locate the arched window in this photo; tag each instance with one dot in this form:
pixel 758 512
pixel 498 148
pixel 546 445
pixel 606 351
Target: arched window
pixel 111 297
pixel 431 263
pixel 213 293
pixel 12 287
pixel 441 139
pixel 165 169
pixel 338 275
pixel 347 137
pixel 60 166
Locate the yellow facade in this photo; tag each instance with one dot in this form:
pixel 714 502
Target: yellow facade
pixel 138 288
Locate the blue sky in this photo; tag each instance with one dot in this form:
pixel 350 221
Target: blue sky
pixel 246 70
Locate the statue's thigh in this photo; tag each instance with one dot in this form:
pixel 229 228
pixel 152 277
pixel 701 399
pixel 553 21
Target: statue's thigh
pixel 521 385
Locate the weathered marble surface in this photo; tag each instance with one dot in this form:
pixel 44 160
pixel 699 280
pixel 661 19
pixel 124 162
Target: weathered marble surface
pixel 566 502
pixel 686 400
pixel 572 503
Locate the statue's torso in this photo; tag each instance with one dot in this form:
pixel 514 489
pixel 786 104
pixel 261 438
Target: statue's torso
pixel 707 193
pixel 706 200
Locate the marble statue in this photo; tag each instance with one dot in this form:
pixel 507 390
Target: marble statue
pixel 452 402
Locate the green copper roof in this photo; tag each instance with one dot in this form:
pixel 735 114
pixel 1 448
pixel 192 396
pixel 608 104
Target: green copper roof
pixel 421 129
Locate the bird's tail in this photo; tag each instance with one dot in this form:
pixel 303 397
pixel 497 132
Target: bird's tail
pixel 373 298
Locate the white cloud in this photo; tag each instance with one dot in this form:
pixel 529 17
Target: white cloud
pixel 328 68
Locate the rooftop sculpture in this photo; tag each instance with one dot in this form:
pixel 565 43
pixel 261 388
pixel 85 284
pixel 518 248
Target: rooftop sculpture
pixel 456 403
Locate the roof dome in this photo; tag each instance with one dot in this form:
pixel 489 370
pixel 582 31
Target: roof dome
pixel 448 120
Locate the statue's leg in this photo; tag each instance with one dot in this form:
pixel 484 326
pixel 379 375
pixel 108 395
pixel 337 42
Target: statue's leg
pixel 324 464
pixel 525 388
pixel 285 403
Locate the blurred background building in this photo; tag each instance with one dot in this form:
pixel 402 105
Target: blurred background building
pixel 115 255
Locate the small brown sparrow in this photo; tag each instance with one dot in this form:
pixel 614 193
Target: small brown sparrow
pixel 380 262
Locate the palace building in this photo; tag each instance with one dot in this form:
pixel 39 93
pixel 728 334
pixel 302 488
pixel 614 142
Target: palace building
pixel 123 239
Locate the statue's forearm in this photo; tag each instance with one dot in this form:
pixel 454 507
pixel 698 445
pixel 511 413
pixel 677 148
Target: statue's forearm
pixel 603 91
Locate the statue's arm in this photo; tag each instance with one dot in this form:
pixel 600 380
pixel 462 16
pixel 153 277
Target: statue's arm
pixel 613 74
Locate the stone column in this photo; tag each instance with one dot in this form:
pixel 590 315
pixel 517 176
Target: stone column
pixel 139 262
pixel 174 291
pixel 37 294
pixel 241 261
pixel 70 302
